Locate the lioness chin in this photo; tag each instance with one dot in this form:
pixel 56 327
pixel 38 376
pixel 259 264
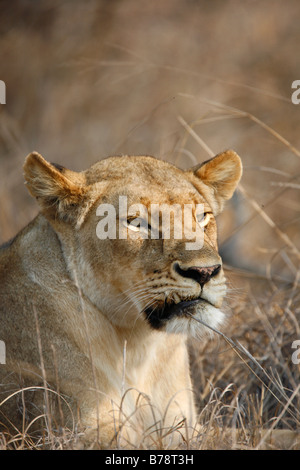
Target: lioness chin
pixel 97 303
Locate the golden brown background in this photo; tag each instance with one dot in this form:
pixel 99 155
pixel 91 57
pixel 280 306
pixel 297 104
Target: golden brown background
pixel 176 79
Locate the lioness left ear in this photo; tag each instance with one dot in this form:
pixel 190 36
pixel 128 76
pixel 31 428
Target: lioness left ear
pixel 57 191
pixel 221 175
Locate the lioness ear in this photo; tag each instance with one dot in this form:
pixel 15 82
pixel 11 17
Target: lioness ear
pixel 221 174
pixel 57 195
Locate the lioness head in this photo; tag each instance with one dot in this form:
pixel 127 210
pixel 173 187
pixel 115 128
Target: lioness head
pixel 111 222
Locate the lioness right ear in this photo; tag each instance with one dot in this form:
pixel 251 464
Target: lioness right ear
pixel 221 175
pixel 56 193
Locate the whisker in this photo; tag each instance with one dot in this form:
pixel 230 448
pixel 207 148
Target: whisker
pixel 138 296
pixel 149 304
pixel 128 309
pixel 132 287
pixel 135 294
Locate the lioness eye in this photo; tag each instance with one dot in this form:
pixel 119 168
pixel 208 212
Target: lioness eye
pixel 203 219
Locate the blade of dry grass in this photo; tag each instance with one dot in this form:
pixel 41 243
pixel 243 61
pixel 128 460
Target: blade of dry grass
pixel 240 349
pixel 191 73
pixel 285 408
pixel 243 191
pixel 47 403
pixel 250 116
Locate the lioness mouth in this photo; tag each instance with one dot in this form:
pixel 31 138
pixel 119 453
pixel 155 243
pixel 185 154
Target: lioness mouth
pixel 160 314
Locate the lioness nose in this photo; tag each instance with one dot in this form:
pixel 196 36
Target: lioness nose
pixel 200 274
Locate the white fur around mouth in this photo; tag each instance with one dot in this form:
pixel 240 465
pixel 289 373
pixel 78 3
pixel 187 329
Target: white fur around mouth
pixel 185 324
pixel 176 317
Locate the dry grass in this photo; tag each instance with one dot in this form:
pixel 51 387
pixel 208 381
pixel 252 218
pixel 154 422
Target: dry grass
pixel 181 81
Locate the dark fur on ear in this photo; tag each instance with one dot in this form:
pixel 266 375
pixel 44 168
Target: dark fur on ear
pixel 57 195
pixel 221 174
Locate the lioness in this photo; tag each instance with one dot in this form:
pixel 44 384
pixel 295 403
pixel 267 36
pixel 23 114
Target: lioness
pixel 98 321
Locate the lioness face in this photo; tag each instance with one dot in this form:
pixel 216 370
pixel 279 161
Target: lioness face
pixel 153 224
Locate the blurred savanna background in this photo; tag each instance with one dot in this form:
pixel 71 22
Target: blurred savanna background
pixel 181 80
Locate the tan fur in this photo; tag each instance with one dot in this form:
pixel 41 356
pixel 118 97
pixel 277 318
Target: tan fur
pixel 72 305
